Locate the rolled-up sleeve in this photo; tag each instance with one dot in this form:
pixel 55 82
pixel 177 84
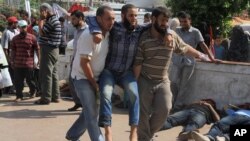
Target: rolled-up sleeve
pixel 180 47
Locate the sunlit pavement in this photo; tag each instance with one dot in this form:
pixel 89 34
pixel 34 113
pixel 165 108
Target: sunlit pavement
pixel 25 121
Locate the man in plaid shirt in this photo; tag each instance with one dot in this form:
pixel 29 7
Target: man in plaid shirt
pixel 23 47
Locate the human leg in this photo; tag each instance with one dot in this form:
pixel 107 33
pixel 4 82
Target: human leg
pixel 176 119
pixel 45 74
pixel 222 127
pixel 196 120
pixel 19 82
pixel 146 98
pixel 130 86
pixel 30 81
pixel 55 85
pixel 162 103
pixel 106 85
pixel 74 96
pixel 87 120
pixel 48 74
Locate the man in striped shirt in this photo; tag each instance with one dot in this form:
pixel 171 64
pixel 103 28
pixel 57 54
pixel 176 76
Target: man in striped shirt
pixel 49 41
pixel 23 47
pixel 151 69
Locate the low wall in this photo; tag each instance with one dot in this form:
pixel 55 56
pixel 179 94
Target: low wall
pixel 225 83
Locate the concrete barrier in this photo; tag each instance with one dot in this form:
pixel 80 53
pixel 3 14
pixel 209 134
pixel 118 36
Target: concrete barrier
pixel 227 83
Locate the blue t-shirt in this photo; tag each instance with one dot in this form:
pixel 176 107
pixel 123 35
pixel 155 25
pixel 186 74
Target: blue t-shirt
pixel 219 52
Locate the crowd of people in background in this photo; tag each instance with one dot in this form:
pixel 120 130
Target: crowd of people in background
pixel 134 56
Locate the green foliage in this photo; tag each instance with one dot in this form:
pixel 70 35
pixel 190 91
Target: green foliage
pixel 34 4
pixel 217 13
pixel 5 12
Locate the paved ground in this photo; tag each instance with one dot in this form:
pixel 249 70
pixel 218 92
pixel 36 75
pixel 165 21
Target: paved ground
pixel 25 121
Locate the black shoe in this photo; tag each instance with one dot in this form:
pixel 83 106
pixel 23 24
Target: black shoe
pixel 38 93
pixel 42 102
pixel 55 100
pixel 75 107
pixel 32 94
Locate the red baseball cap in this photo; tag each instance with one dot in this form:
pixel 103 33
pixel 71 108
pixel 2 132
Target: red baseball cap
pixel 12 19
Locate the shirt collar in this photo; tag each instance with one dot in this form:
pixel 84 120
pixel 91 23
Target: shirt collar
pixel 189 30
pixel 83 27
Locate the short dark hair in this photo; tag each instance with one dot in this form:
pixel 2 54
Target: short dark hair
pixel 161 10
pixel 78 14
pixel 183 15
pixel 101 10
pixel 62 19
pixel 126 7
pixel 147 15
pixel 217 36
pixel 210 101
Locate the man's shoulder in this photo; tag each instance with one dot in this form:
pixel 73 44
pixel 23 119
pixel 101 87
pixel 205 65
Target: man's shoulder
pixel 7 32
pixel 86 31
pixel 86 35
pixel 16 37
pixel 31 36
pixel 53 20
pixel 118 26
pixel 146 36
pixel 194 30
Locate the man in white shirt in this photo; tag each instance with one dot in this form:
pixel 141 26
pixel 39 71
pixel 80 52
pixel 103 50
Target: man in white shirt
pixel 8 34
pixel 88 63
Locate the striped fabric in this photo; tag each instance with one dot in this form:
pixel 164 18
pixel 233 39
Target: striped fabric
pixel 23 50
pixel 155 56
pixel 52 32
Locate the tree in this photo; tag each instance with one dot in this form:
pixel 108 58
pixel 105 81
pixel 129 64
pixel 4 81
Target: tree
pixel 5 12
pixel 216 13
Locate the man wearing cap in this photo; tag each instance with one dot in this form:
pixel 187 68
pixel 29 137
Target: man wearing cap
pixel 7 37
pixel 50 32
pixel 22 60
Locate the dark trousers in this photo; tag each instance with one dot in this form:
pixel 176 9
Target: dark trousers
pixel 37 81
pixel 48 72
pixel 20 75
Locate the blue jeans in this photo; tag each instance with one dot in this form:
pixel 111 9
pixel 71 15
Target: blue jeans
pixel 222 127
pixel 128 82
pixel 88 117
pixel 190 119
